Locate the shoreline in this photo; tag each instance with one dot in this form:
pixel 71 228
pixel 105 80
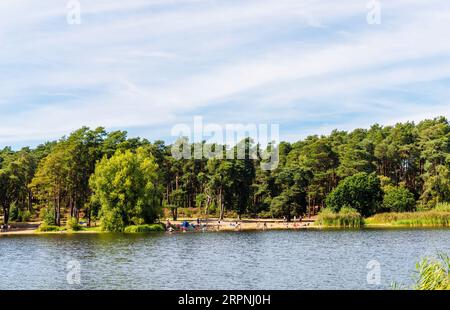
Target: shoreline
pixel 227 225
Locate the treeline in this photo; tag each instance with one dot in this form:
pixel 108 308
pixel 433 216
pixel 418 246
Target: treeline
pixel 122 181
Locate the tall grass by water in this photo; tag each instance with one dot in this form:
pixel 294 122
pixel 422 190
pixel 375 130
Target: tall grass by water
pixel 435 218
pixel 432 274
pixel 144 228
pixel 346 217
pixel 443 207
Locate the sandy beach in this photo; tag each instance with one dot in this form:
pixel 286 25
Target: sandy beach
pixel 21 229
pixel 250 224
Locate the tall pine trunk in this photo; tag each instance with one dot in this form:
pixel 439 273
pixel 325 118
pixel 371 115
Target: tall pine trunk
pixel 58 210
pixel 30 201
pixel 221 204
pixel 5 215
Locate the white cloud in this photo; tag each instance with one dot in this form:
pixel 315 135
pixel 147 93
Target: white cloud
pixel 140 63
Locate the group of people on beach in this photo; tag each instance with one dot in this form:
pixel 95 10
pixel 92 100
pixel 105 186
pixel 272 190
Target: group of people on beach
pixel 217 225
pixel 199 225
pixel 5 228
pixel 185 226
pixel 236 225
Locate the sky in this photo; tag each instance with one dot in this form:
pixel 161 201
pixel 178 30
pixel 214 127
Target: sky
pixel 146 66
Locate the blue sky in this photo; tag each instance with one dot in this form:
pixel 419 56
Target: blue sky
pixel 145 66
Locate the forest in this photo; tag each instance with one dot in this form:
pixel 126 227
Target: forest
pixel 95 175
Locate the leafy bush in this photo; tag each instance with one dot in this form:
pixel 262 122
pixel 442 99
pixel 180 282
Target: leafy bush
pixel 44 227
pixel 265 215
pixel 72 224
pixel 111 220
pixel 144 228
pixel 137 221
pixel 421 207
pixel 442 207
pixel 17 215
pixel 24 216
pixel 48 216
pixel 398 199
pixel 346 217
pixel 14 213
pixel 361 191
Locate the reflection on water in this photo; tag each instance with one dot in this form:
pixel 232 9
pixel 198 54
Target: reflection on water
pixel 254 260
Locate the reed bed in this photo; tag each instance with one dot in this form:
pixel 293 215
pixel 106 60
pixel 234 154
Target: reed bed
pixel 346 217
pixel 431 274
pixel 433 218
pixel 444 207
pixel 434 274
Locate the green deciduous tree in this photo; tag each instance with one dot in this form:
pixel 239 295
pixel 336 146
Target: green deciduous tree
pixel 361 191
pixel 398 199
pixel 125 187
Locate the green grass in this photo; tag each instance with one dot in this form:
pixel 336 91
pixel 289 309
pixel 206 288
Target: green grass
pixel 68 228
pixel 432 274
pixel 92 228
pixel 47 228
pixel 144 228
pixel 434 218
pixel 346 217
pixel 129 229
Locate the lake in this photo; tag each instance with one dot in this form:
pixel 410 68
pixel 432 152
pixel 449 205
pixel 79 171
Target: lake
pixel 307 259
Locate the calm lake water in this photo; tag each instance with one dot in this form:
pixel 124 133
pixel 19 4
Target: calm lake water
pixel 236 260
